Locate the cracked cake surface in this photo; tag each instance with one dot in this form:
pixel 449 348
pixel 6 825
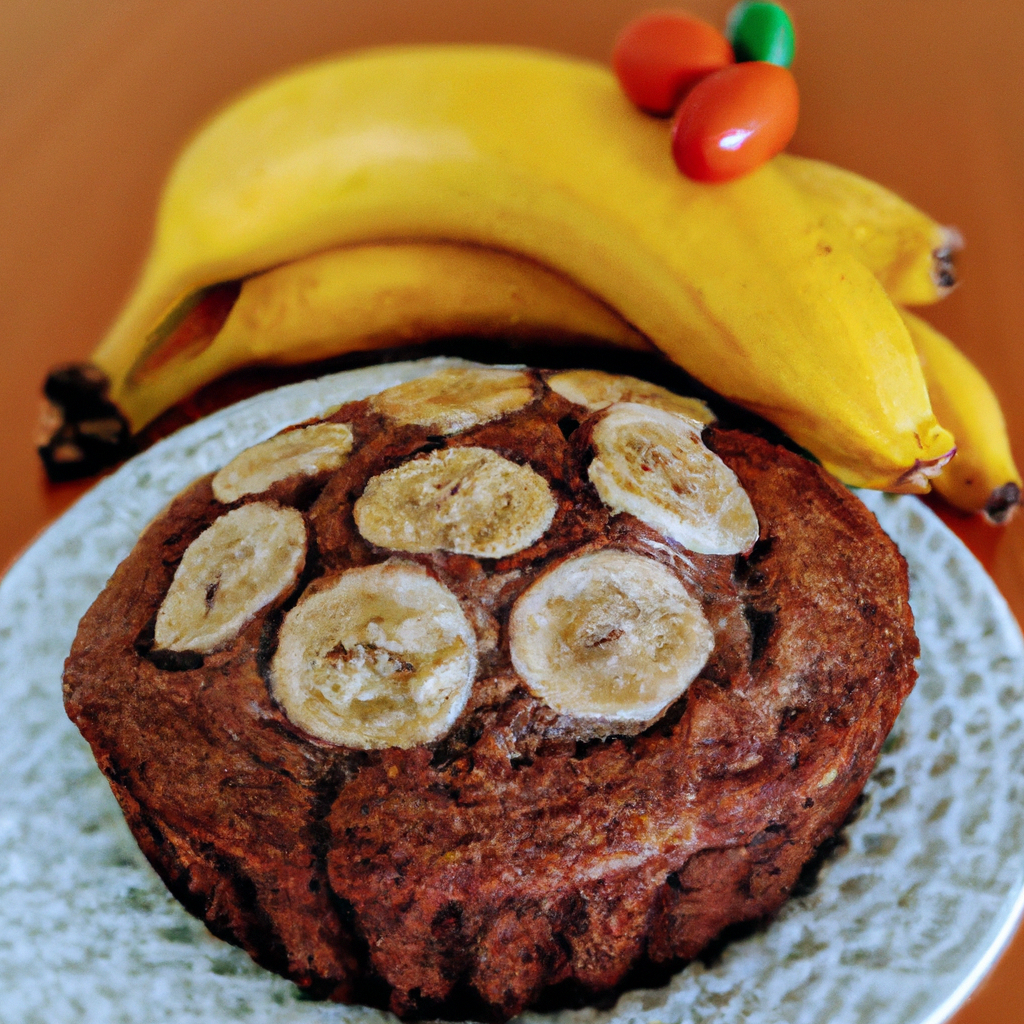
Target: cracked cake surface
pixel 440 828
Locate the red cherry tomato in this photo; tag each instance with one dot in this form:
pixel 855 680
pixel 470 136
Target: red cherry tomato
pixel 657 57
pixel 734 120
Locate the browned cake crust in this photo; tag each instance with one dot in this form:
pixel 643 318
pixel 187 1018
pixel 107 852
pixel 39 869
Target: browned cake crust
pixel 508 859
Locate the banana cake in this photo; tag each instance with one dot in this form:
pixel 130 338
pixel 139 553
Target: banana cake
pixel 494 688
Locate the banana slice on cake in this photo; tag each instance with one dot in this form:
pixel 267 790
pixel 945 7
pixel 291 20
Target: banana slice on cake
pixel 382 657
pixel 307 451
pixel 596 390
pixel 653 464
pixel 609 635
pixel 453 400
pixel 245 560
pixel 468 500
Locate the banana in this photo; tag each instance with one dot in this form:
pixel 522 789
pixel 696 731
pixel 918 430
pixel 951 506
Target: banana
pixel 307 451
pixel 608 635
pixel 456 399
pixel 358 298
pixel 541 157
pixel 467 500
pixel 244 561
pixel 982 477
pixel 910 254
pixel 653 464
pixel 596 390
pixel 382 656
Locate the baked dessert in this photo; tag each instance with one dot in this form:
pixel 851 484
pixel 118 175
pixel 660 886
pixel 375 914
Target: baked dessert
pixel 494 687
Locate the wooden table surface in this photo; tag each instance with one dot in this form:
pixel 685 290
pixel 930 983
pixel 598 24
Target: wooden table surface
pixel 926 96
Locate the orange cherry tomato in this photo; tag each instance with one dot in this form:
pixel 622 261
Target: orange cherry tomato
pixel 734 120
pixel 657 57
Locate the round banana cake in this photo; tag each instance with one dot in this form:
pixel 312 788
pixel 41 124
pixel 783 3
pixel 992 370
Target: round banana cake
pixel 494 689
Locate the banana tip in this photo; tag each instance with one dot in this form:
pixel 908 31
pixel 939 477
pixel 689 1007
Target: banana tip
pixel 1002 503
pixel 916 480
pixel 944 273
pixel 80 430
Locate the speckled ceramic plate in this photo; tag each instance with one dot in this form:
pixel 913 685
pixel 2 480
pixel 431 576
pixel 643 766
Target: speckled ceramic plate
pixel 905 917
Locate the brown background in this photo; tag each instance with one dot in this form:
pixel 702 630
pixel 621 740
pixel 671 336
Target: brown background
pixel 926 96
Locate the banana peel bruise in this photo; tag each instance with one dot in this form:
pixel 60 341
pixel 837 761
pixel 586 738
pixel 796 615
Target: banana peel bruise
pixel 320 196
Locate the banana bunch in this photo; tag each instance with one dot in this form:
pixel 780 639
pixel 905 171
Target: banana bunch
pixel 406 194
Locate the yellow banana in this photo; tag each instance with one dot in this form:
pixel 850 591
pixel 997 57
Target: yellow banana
pixel 908 252
pixel 364 297
pixel 982 477
pixel 542 157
